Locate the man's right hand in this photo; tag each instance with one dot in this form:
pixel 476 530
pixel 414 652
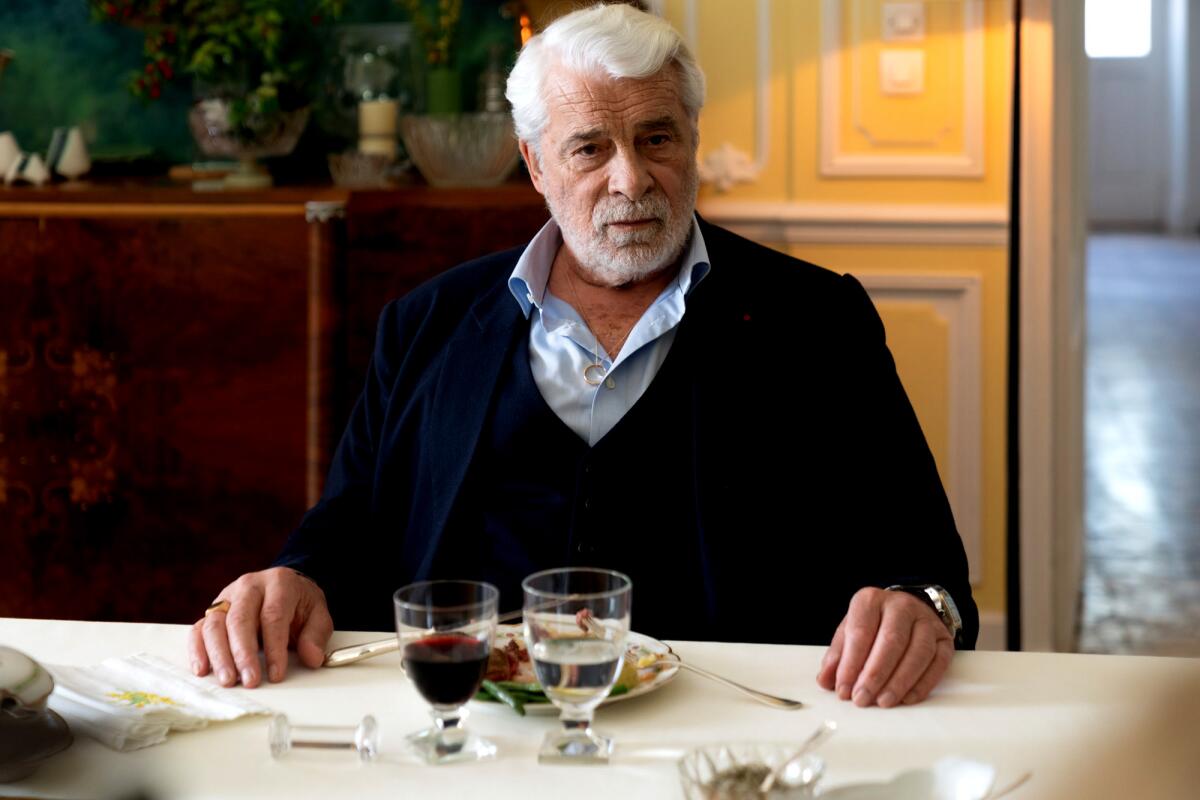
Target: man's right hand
pixel 288 609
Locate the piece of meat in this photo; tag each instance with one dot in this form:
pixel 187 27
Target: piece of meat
pixel 502 663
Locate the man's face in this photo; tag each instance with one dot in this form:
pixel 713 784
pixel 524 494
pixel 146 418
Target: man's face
pixel 618 171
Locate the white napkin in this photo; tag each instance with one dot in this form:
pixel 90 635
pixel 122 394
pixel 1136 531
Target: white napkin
pixel 133 702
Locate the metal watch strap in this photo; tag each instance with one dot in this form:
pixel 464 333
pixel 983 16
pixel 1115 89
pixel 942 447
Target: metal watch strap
pixel 939 600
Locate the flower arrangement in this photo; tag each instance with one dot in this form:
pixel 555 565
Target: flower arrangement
pixel 436 31
pixel 261 55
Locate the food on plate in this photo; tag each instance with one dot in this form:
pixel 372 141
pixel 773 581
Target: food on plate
pixel 510 679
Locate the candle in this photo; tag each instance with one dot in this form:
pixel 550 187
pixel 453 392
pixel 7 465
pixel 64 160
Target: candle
pixel 377 127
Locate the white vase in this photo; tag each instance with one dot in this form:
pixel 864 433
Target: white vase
pixel 27 167
pixel 74 160
pixel 9 151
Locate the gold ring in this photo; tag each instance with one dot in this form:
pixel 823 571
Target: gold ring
pixel 217 605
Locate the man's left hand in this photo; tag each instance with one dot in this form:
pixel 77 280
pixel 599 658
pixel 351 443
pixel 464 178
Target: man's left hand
pixel 890 648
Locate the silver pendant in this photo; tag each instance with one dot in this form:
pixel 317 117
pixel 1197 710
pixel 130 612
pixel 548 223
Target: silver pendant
pixel 591 371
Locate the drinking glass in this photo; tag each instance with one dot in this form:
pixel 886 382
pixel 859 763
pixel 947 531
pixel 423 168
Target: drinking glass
pixel 446 630
pixel 575 624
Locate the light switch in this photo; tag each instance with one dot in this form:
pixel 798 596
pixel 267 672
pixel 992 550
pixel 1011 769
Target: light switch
pixel 903 22
pixel 902 71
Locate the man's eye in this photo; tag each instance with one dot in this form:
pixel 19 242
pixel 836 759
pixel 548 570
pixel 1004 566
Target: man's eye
pixel 658 139
pixel 587 150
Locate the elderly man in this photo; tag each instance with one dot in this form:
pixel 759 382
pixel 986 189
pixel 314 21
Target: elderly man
pixel 634 389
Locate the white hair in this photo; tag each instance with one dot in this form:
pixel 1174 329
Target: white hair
pixel 614 40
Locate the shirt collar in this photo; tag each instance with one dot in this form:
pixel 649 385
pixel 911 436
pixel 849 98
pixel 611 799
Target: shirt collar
pixel 532 272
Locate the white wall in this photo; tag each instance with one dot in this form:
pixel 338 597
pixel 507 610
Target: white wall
pixel 1183 117
pixel 1128 109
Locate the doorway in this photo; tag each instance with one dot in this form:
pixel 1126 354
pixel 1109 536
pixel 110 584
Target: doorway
pixel 1141 588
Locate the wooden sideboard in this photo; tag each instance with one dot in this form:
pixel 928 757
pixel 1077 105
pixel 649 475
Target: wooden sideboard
pixel 175 368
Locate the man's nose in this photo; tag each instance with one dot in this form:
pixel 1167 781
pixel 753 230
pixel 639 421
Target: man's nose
pixel 628 175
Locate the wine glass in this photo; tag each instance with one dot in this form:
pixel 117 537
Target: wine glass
pixel 575 624
pixel 446 630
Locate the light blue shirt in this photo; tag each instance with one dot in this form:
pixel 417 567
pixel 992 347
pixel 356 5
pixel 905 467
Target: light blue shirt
pixel 561 346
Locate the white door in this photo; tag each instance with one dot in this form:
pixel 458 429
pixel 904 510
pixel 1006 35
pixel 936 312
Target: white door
pixel 1128 111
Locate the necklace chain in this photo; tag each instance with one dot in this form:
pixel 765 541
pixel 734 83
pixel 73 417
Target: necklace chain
pixel 594 373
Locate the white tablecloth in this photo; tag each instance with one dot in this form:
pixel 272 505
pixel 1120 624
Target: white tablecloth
pixel 1087 726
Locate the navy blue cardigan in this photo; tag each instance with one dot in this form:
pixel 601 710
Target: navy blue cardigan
pixel 812 476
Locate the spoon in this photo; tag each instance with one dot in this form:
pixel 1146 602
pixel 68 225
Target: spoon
pixel 775 701
pixel 822 733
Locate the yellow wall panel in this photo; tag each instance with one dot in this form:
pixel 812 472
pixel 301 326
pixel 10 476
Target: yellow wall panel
pixel 919 338
pixel 916 124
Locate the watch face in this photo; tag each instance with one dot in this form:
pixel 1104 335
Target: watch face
pixel 945 606
pixel 941 601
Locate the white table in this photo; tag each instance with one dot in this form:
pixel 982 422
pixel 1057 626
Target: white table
pixel 1066 717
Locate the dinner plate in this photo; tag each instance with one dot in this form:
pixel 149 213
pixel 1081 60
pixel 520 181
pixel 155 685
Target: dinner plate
pixel 648 644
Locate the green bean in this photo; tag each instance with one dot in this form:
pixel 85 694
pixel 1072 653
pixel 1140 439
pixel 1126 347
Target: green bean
pixel 505 697
pixel 520 687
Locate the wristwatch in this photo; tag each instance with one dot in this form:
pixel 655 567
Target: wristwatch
pixel 939 600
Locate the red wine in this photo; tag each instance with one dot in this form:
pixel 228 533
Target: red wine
pixel 446 670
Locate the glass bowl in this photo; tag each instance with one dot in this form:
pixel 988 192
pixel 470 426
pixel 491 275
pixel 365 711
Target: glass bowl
pixel 258 136
pixel 734 771
pixel 461 149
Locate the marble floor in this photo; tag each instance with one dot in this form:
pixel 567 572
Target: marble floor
pixel 1142 575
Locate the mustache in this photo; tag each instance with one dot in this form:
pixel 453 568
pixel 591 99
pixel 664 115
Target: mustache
pixel 652 207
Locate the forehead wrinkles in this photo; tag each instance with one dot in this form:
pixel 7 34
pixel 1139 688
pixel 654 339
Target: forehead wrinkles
pixel 576 101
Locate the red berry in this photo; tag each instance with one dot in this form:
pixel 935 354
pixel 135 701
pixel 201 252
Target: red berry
pixel 149 69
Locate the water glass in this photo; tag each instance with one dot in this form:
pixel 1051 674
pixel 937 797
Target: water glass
pixel 576 620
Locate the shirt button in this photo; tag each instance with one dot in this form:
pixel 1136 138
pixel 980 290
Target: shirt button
pixel 610 383
pixel 587 504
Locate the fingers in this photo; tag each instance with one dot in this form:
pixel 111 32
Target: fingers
pixel 273 603
pixel 314 636
pixel 196 652
pixel 216 642
pixel 891 644
pixel 861 624
pixel 278 612
pixel 829 664
pixel 241 625
pixel 943 655
pixel 890 649
pixel 910 667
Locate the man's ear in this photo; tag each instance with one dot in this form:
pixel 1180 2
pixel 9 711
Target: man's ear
pixel 530 156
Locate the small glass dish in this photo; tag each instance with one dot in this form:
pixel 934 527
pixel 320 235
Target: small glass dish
pixel 735 771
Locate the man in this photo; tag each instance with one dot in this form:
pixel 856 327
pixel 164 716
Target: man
pixel 635 389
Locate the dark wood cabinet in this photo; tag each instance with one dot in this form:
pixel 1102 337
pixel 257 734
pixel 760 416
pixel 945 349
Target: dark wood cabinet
pixel 175 369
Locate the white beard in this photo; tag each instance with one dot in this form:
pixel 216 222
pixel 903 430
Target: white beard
pixel 612 257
